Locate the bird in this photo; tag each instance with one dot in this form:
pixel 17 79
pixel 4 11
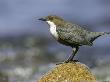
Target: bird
pixel 70 34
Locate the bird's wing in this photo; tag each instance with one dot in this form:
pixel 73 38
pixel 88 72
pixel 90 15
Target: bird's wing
pixel 73 34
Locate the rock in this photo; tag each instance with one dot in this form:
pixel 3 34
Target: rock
pixel 69 72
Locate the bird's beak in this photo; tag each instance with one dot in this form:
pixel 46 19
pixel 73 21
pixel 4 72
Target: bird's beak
pixel 42 19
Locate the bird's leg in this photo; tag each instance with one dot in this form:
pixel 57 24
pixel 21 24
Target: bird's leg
pixel 70 59
pixel 74 51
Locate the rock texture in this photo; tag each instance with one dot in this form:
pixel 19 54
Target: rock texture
pixel 69 72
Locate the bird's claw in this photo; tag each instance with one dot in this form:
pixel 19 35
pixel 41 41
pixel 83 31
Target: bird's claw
pixel 68 61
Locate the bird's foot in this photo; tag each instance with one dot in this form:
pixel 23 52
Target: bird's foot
pixel 71 61
pixel 68 61
pixel 75 60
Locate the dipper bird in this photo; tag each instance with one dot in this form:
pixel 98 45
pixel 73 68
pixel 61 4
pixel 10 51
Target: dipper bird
pixel 70 34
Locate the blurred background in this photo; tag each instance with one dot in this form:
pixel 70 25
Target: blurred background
pixel 27 50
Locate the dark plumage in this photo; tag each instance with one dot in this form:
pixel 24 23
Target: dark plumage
pixel 72 34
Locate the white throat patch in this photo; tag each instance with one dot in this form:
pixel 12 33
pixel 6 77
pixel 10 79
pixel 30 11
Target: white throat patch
pixel 53 29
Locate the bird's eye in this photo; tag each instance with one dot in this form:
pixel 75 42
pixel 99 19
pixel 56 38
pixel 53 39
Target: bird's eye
pixel 51 18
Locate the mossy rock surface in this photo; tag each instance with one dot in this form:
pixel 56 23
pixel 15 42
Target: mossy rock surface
pixel 69 72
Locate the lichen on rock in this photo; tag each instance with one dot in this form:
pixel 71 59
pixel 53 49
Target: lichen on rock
pixel 69 72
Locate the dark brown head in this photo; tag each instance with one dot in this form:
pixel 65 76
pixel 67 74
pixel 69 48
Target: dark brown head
pixel 54 19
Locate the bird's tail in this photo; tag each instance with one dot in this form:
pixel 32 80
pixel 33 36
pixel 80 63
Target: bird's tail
pixel 94 35
pixel 101 33
pixel 106 33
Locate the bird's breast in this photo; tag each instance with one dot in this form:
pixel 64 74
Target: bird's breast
pixel 54 32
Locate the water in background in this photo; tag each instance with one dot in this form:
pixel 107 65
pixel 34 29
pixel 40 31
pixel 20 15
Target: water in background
pixel 27 50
